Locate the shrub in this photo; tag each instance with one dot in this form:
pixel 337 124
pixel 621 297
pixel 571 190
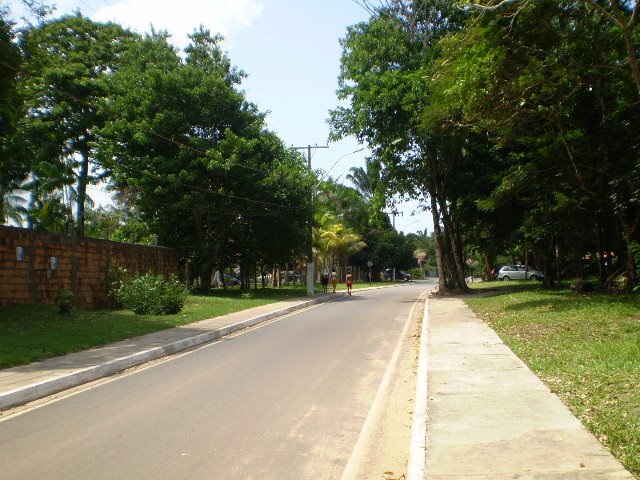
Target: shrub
pixel 635 251
pixel 115 277
pixel 415 273
pixel 64 299
pixel 152 294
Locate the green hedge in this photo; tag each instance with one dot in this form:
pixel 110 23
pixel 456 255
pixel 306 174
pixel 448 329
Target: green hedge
pixel 152 294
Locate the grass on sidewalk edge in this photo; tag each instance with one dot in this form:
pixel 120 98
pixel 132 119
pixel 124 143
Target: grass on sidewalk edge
pixel 586 348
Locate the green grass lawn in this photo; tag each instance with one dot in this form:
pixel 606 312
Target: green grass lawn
pixel 586 348
pixel 30 333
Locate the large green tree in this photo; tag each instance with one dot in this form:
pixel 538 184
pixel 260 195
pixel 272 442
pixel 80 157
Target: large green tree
pixel 207 176
pixel 68 62
pixel 13 167
pixel 386 66
pixel 541 80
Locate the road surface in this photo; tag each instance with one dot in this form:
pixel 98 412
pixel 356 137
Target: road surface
pixel 286 400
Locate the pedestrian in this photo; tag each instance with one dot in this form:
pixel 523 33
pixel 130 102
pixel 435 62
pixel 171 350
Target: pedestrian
pixel 324 279
pixel 334 279
pixel 349 282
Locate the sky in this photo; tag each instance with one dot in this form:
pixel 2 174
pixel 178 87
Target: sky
pixel 291 53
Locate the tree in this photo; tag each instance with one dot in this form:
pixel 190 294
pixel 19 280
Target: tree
pixel 386 64
pixel 541 80
pixel 207 176
pixel 625 16
pixel 622 14
pixel 384 247
pixel 118 223
pixel 67 65
pixel 367 180
pixel 336 242
pixel 13 167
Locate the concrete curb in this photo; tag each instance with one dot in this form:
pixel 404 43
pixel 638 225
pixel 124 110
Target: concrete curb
pixel 417 451
pixel 20 396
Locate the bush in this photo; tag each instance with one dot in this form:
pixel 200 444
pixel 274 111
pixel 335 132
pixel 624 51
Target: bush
pixel 114 279
pixel 635 251
pixel 152 294
pixel 415 273
pixel 64 299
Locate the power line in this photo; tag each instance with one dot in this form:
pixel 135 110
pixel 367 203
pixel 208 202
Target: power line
pixel 88 6
pixel 181 144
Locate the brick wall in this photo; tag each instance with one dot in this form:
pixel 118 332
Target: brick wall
pixel 34 264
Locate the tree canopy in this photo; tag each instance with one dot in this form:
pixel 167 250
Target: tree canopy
pixel 514 122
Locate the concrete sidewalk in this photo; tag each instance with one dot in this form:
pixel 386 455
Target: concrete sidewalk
pixel 26 383
pixel 490 417
pixel 487 415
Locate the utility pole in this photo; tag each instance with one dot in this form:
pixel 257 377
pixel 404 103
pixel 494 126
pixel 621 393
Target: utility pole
pixel 310 279
pixel 394 212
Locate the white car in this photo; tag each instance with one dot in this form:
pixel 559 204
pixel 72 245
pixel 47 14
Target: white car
pixel 519 272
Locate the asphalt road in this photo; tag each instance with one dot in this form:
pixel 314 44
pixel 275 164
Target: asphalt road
pixel 286 400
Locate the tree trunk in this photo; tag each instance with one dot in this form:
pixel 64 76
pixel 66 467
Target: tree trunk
pixel 255 277
pixel 487 265
pixel 437 234
pixel 81 194
pixel 456 263
pixel 602 272
pixel 632 236
pixel 548 259
pixel 30 206
pixel 456 246
pixel 205 279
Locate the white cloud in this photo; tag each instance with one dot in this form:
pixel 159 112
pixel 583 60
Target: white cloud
pixel 183 17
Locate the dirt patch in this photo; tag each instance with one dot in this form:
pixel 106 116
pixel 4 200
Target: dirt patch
pixel 387 454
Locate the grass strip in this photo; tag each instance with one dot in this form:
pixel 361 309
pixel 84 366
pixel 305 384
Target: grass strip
pixel 586 348
pixel 30 333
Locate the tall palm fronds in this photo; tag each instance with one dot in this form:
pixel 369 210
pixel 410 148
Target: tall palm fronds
pixel 367 180
pixel 335 242
pixel 13 208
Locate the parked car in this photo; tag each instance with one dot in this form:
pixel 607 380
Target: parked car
pixel 519 272
pixel 400 275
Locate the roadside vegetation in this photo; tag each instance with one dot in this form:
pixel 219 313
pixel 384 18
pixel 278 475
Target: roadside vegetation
pixel 513 122
pixel 586 348
pixel 31 333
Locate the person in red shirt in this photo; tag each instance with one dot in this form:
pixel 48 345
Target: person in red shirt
pixel 349 282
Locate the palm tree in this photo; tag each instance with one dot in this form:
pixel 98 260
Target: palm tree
pixel 12 208
pixel 367 180
pixel 321 242
pixel 51 195
pixel 341 242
